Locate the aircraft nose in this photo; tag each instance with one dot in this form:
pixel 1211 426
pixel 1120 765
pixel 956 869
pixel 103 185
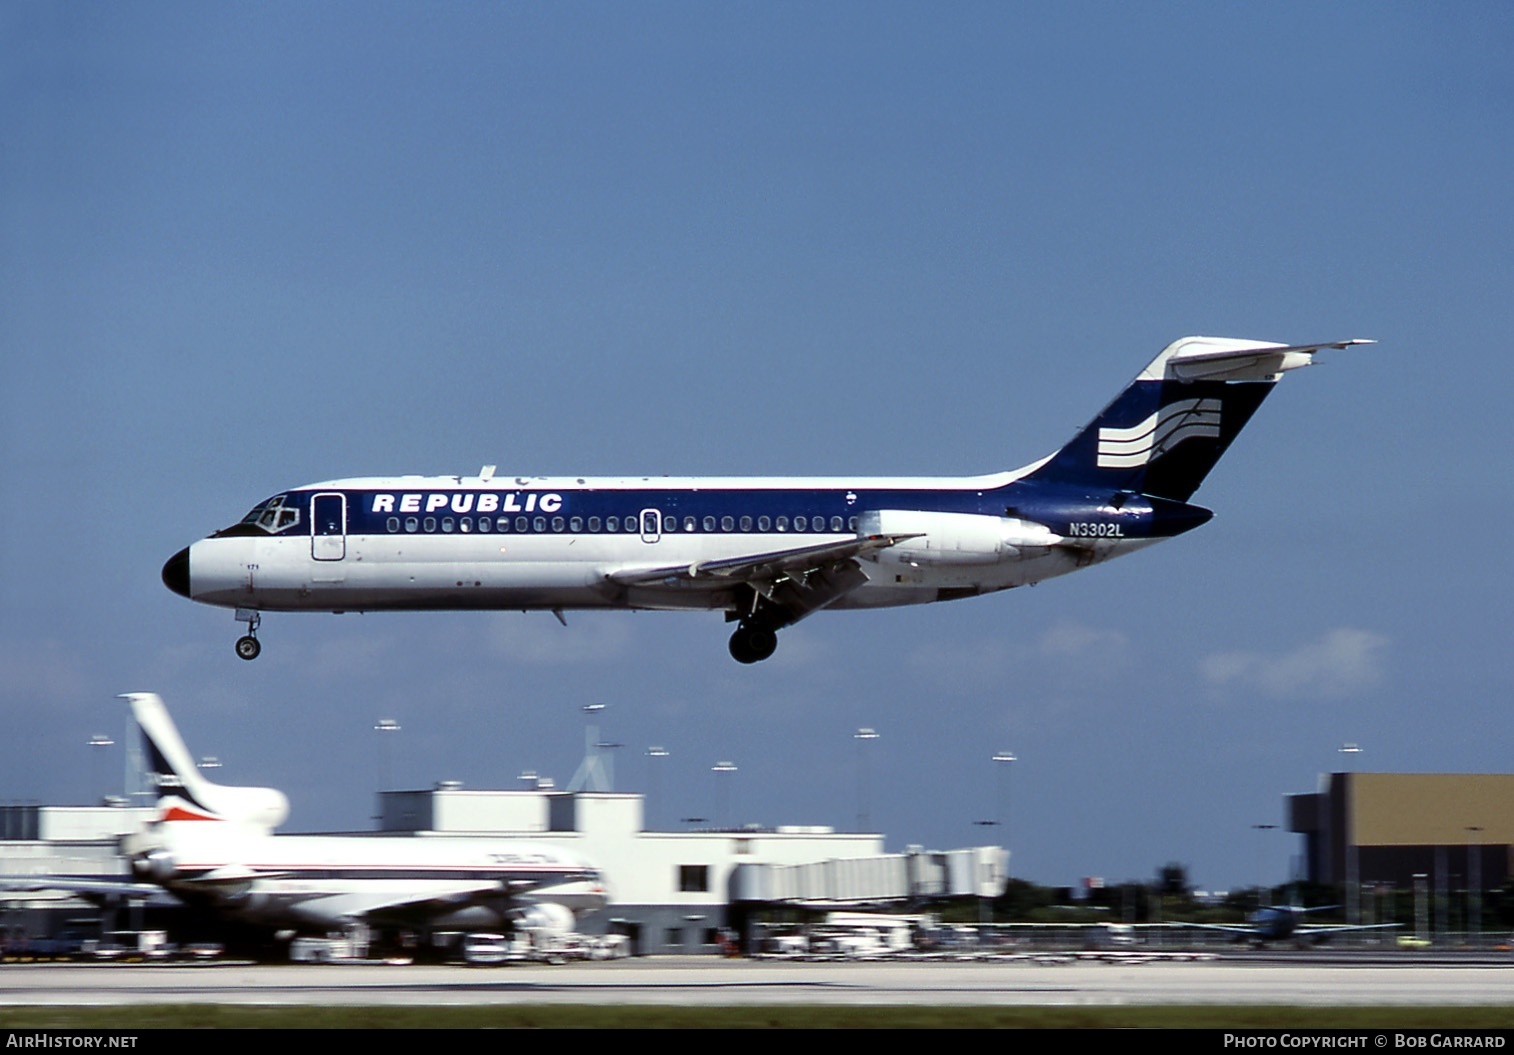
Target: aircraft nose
pixel 176 573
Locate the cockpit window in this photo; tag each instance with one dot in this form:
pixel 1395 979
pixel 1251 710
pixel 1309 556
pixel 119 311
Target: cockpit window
pixel 273 515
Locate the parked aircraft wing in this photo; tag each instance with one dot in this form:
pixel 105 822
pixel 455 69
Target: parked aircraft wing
pixel 1341 928
pixel 89 889
pixel 412 909
pixel 230 875
pixel 755 568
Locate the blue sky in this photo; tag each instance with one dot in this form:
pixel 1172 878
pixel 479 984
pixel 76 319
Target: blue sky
pixel 249 246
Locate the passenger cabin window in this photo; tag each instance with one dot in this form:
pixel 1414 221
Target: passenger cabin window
pixel 746 523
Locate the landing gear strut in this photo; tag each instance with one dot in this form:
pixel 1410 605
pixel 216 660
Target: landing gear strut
pixel 247 645
pixel 753 642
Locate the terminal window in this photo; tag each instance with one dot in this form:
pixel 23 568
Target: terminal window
pixel 693 879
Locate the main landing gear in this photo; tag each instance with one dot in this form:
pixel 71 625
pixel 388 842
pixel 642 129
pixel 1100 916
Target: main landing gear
pixel 753 642
pixel 247 645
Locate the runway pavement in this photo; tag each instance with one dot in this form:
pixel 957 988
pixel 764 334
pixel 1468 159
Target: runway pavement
pixel 709 982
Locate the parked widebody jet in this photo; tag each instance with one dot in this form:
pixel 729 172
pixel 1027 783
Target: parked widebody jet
pixel 213 846
pixel 767 552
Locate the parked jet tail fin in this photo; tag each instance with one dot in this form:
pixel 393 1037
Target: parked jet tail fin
pixel 185 795
pixel 1170 425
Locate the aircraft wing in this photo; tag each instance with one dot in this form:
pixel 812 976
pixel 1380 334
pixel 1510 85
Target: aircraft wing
pixel 412 909
pixel 1223 928
pixel 756 567
pixel 90 889
pixel 1339 928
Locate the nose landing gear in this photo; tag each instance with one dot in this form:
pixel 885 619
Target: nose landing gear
pixel 247 645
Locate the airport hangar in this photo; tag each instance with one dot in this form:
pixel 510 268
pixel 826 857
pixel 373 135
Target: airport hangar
pixel 671 891
pixel 1450 831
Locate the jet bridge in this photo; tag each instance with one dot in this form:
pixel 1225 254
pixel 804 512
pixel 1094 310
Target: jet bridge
pixel 979 871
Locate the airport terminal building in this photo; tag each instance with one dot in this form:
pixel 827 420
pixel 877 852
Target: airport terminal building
pixel 677 891
pixel 670 891
pixel 1450 831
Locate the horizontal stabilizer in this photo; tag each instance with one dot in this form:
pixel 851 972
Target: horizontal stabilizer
pixel 1227 359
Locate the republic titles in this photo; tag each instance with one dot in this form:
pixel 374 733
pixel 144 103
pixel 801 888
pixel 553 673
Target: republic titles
pixel 467 502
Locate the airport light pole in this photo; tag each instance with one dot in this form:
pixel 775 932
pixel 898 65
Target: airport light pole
pixel 1000 808
pixel 1421 911
pixel 1353 895
pixel 1265 896
pixel 385 728
pixel 101 741
pixel 654 771
pixel 1002 761
pixel 1474 882
pixel 722 793
pixel 863 736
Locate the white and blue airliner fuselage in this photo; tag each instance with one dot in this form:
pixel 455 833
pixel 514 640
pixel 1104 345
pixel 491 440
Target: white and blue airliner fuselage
pixel 767 552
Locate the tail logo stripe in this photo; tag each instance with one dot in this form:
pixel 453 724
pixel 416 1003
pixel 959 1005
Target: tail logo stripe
pixel 1125 448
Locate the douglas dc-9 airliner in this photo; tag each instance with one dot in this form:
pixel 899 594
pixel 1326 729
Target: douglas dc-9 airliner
pixel 765 551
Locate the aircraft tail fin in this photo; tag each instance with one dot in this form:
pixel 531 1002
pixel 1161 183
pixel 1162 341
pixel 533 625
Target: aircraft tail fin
pixel 183 793
pixel 1171 424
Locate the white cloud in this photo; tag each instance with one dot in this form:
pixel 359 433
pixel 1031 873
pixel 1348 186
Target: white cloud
pixel 1094 651
pixel 1344 662
pixel 1076 641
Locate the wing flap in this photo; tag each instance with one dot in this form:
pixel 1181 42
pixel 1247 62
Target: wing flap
pixel 756 567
